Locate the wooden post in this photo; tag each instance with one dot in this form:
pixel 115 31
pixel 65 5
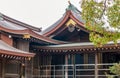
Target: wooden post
pixel 74 68
pixel 3 68
pixel 66 68
pixel 32 67
pixel 96 66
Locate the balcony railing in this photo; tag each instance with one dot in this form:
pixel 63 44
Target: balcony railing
pixel 73 71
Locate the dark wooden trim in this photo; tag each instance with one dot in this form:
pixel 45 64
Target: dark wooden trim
pixel 11 53
pixel 78 49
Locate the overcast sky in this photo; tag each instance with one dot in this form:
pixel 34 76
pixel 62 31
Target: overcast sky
pixel 39 13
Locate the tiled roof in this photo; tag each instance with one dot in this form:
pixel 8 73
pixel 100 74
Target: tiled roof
pixel 9 50
pixel 15 24
pixel 75 12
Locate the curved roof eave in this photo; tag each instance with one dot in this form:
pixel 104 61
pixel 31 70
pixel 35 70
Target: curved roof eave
pixel 77 46
pixel 32 34
pixel 59 24
pixel 19 23
pixel 6 49
pixel 68 14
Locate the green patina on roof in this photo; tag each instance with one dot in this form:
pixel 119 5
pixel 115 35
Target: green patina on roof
pixel 75 11
pixel 73 8
pixel 1 16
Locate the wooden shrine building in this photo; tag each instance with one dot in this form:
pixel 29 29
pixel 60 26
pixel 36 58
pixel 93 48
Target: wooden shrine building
pixel 61 51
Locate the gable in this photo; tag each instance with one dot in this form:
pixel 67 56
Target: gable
pixel 71 33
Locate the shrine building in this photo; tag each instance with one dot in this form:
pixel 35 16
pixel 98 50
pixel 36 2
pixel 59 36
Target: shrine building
pixel 63 50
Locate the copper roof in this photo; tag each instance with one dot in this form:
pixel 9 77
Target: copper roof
pixel 71 12
pixel 13 26
pixel 6 49
pixel 12 23
pixel 78 48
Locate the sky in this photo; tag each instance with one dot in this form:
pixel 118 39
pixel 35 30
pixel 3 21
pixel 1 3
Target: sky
pixel 38 13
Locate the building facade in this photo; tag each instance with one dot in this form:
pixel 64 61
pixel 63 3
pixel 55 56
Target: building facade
pixel 77 57
pixel 61 51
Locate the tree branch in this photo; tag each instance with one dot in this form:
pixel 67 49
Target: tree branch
pixel 103 9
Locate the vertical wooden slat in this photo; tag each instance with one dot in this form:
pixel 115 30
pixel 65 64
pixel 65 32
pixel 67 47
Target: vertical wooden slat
pixel 66 68
pixel 3 68
pixel 85 58
pixel 74 70
pixel 32 67
pixel 96 67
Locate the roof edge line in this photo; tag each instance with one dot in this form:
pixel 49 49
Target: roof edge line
pixel 67 15
pixel 20 23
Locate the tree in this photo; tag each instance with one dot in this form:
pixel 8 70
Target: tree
pixel 102 19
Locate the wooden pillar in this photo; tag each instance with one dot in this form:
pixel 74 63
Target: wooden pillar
pixel 24 45
pixel 66 68
pixel 96 65
pixel 32 67
pixel 74 68
pixel 3 68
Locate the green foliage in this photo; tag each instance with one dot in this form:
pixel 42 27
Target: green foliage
pixel 113 14
pixel 99 18
pixel 115 69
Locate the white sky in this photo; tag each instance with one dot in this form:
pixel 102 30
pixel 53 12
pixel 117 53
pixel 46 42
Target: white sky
pixel 39 13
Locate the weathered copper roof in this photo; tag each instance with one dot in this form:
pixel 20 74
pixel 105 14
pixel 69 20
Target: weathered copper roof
pixel 77 44
pixel 10 25
pixel 6 49
pixel 15 24
pixel 71 12
pixel 78 48
pixel 32 34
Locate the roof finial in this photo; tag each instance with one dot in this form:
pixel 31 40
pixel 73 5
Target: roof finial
pixel 69 2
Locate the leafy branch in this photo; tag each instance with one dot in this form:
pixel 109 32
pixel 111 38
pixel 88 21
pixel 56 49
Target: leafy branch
pixel 102 19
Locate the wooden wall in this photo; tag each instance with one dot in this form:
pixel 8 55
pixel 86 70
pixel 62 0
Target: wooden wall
pixel 6 38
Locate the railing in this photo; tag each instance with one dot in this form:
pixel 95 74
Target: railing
pixel 72 71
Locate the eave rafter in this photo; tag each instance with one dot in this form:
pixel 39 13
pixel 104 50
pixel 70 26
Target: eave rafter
pixel 15 55
pixel 73 50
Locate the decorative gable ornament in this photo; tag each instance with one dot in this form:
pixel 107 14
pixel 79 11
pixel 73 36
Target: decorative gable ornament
pixel 71 25
pixel 71 28
pixel 26 36
pixel 71 22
